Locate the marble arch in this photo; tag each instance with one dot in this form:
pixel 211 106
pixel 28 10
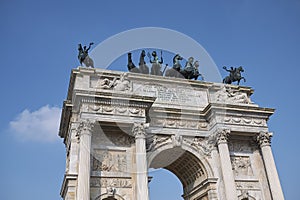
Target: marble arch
pixel 217 144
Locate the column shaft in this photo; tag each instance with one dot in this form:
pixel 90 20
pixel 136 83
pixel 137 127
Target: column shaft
pixel 264 140
pixel 228 177
pixel 141 163
pixel 83 186
pixel 229 182
pixel 84 168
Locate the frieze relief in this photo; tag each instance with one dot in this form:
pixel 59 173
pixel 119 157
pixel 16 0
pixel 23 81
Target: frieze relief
pixel 179 123
pixel 112 109
pixel 109 161
pixel 244 121
pixel 242 146
pixel 111 182
pixel 122 140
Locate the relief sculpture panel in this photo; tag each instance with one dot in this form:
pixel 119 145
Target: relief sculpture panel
pixel 109 161
pixel 241 166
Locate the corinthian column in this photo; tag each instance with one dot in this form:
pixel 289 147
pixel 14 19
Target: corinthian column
pixel 138 131
pixel 228 178
pixel 85 134
pixel 264 141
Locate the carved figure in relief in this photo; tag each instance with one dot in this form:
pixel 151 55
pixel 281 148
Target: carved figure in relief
pixel 109 162
pixel 241 166
pixel 227 95
pixel 106 83
pixel 123 84
pixel 111 191
pixel 156 140
pixel 177 140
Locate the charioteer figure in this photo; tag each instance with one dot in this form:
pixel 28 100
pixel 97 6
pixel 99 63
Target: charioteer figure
pixel 156 63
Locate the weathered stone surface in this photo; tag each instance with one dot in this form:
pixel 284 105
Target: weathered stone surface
pixel 117 125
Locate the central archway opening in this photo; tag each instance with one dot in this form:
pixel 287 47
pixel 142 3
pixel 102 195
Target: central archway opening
pixel 176 174
pixel 164 185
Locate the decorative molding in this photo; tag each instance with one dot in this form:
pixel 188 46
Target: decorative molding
pixel 245 121
pixel 122 110
pixel 104 182
pixel 247 185
pixel 179 123
pixel 264 139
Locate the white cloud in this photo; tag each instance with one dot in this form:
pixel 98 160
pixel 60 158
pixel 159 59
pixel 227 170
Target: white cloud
pixel 39 125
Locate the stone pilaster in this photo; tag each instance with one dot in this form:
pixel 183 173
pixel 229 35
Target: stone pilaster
pixel 264 141
pixel 138 130
pixel 228 178
pixel 85 134
pixel 74 147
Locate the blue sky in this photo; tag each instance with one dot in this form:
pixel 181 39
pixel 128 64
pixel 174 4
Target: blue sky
pixel 39 48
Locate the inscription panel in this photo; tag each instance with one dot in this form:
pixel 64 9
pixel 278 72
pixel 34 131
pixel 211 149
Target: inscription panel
pixel 173 94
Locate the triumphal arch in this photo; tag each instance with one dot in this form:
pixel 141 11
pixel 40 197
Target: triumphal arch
pixel 117 125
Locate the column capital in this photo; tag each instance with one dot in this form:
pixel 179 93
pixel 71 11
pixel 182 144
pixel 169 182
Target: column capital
pixel 222 135
pixel 85 126
pixel 138 130
pixel 264 139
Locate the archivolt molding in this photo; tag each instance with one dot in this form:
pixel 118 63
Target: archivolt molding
pixel 159 143
pixel 109 196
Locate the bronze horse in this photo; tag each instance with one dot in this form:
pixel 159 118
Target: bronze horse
pixel 142 64
pixel 175 71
